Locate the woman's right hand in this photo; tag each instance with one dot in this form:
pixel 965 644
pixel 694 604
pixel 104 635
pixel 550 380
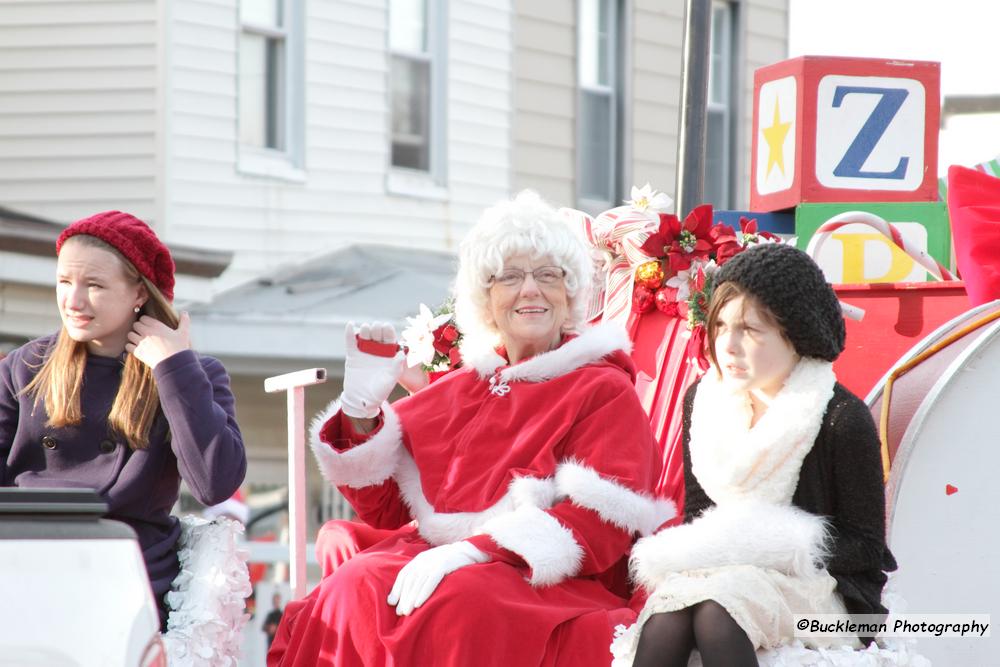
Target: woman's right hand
pixel 369 378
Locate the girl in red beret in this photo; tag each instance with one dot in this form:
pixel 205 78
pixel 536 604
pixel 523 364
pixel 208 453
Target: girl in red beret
pixel 116 400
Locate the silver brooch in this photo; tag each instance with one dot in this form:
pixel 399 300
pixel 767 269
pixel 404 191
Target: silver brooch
pixel 499 386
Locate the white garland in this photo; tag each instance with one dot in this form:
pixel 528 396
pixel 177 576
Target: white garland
pixel 207 600
pixel 893 652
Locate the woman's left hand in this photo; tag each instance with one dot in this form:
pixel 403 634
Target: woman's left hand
pixel 418 578
pixel 152 341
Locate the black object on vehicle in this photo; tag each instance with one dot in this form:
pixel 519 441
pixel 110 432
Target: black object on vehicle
pixel 60 514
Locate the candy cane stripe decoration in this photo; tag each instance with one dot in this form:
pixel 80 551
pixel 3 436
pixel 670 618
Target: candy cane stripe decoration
pixel 618 234
pixel 918 255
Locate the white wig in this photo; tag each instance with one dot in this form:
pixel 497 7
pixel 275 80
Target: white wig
pixel 523 225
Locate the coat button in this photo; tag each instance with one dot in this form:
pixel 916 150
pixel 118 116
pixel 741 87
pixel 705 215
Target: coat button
pixel 107 446
pixel 48 442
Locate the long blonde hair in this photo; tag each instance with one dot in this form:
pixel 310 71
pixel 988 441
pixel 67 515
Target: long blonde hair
pixel 60 376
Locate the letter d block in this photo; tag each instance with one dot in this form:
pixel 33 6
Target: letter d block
pixel 856 253
pixel 844 130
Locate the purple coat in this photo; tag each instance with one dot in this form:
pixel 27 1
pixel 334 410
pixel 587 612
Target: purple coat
pixel 204 447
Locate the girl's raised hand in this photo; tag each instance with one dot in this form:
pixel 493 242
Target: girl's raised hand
pixel 152 341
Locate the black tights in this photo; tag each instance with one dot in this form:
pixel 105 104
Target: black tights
pixel 668 639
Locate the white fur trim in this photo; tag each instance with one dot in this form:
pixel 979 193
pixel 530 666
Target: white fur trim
pixel 613 502
pixel 547 546
pixel 732 461
pixel 446 527
pixel 486 360
pixel 534 492
pixel 593 343
pixel 783 538
pixel 371 462
pixel 891 653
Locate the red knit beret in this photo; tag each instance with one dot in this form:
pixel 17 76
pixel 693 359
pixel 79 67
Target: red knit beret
pixel 132 238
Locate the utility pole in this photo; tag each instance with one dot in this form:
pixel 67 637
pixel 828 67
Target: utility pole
pixel 691 131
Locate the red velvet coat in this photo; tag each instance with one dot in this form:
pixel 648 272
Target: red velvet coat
pixel 552 479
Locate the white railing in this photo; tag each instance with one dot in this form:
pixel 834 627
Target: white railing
pixel 294 384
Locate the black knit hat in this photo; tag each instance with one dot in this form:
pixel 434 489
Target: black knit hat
pixel 793 287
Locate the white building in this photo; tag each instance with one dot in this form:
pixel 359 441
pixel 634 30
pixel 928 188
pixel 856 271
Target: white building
pixel 335 151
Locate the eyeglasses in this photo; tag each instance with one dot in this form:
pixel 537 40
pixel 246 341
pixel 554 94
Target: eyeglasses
pixel 543 275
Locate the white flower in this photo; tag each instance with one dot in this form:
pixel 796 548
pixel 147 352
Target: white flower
pixel 682 281
pixel 418 337
pixel 648 200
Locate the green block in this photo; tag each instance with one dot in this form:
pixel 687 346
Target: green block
pixel 848 258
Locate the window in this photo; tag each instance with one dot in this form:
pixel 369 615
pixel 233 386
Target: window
pixel 720 163
pixel 598 150
pixel 416 86
pixel 270 78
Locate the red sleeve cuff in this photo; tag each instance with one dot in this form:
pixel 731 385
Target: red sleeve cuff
pixel 339 432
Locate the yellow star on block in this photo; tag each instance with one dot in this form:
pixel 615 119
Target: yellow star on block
pixel 775 138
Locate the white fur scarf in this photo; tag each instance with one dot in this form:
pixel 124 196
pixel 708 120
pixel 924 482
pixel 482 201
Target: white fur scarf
pixel 734 462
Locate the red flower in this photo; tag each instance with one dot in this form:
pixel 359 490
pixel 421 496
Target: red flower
pixel 659 242
pixel 444 338
pixel 748 229
pixel 724 242
pixel 696 347
pixel 698 283
pixel 454 357
pixel 693 241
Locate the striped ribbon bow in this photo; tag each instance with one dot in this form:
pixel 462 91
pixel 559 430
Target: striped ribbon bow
pixel 617 236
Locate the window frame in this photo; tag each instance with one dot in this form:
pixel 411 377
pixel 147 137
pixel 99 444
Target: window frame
pixel 287 163
pixel 731 108
pixel 614 90
pixel 432 182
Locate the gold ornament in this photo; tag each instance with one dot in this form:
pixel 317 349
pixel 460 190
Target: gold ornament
pixel 650 274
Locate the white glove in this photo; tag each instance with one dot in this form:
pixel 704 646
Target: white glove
pixel 418 578
pixel 368 378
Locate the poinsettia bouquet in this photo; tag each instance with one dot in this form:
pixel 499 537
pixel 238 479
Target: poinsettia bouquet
pixel 678 280
pixel 431 339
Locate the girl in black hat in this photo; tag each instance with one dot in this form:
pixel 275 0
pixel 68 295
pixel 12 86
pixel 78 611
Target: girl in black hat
pixel 784 508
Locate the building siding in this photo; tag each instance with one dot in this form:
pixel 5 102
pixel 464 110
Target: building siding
pixel 545 91
pixel 545 99
pixel 344 196
pixel 78 119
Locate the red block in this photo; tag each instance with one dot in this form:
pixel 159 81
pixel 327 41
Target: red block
pixel 844 130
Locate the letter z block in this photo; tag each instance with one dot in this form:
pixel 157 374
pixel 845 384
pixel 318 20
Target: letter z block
pixel 844 130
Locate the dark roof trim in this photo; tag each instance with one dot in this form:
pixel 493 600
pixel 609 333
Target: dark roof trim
pixel 31 235
pixel 963 105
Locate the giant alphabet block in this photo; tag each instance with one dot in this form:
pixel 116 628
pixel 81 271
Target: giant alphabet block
pixel 857 253
pixel 844 130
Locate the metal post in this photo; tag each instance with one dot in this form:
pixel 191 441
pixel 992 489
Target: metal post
pixel 294 384
pixel 691 132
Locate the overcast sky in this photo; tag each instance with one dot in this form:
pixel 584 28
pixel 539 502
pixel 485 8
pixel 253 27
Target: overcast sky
pixel 963 35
